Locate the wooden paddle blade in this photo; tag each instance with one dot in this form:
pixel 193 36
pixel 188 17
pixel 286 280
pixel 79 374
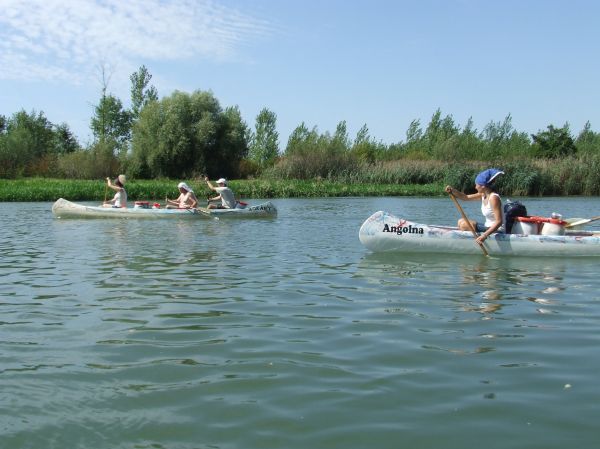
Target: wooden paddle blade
pixel 581 222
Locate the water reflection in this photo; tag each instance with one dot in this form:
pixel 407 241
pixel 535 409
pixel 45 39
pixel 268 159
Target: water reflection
pixel 473 284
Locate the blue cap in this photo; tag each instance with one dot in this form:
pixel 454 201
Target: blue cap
pixel 487 177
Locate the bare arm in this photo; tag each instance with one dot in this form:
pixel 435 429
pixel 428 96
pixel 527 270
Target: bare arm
pixel 174 201
pixel 112 186
pixel 462 196
pixel 194 202
pixel 209 184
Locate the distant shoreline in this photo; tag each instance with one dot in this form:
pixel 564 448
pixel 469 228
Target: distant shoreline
pixel 50 189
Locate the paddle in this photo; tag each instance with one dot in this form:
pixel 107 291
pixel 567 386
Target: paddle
pixel 204 212
pixel 464 216
pixel 581 222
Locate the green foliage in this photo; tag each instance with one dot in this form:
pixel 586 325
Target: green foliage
pixel 64 140
pixel 588 142
pixel 569 176
pixel 365 148
pixel 111 123
pixel 187 135
pixel 264 149
pixel 141 94
pixel 501 140
pixel 231 145
pixel 444 140
pixel 340 142
pixel 96 163
pixel 43 189
pixel 302 141
pixel 30 142
pixel 554 143
pixel 312 155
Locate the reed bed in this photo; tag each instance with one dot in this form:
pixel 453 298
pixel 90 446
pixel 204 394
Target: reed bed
pixel 44 189
pixel 526 177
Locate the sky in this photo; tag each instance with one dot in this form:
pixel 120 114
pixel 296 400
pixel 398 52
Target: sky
pixel 379 63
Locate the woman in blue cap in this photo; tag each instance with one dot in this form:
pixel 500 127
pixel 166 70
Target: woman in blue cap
pixel 491 204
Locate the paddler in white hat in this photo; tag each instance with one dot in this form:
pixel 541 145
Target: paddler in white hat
pixel 225 194
pixel 120 198
pixel 186 199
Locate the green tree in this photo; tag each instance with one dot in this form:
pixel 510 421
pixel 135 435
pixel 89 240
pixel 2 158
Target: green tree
pixel 264 147
pixel 31 132
pixel 28 138
pixel 414 146
pixel 588 142
pixel 554 143
pixel 64 140
pixel 141 93
pixel 186 135
pixel 111 123
pixel 231 145
pixel 440 136
pixel 414 133
pixel 312 155
pixel 363 147
pixel 500 139
pixel 340 143
pixel 432 132
pixel 367 149
pixel 468 144
pixel 301 140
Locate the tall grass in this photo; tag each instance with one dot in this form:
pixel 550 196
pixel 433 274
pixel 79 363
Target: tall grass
pixel 42 189
pixel 568 176
pixel 45 189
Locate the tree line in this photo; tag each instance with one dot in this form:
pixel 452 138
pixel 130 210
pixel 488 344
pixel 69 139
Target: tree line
pixel 186 135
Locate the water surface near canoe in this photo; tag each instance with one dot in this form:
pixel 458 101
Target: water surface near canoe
pixel 287 333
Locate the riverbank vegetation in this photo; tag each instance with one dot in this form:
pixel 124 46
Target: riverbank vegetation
pixel 46 189
pixel 184 136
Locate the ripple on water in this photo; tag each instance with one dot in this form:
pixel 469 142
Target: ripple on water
pixel 287 333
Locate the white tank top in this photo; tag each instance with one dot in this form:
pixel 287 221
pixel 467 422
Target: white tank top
pixel 488 212
pixel 121 198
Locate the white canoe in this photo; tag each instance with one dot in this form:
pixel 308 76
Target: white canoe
pixel 384 232
pixel 264 210
pixel 66 209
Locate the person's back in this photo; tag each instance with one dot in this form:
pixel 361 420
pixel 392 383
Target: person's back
pixel 121 198
pixel 225 194
pixel 227 197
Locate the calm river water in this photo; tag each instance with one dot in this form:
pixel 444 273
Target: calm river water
pixel 287 333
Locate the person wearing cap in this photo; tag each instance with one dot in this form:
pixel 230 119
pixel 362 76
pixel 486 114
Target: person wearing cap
pixel 186 199
pixel 120 198
pixel 491 204
pixel 225 194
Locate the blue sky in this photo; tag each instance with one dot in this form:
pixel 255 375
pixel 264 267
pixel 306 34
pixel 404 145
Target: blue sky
pixel 381 63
